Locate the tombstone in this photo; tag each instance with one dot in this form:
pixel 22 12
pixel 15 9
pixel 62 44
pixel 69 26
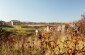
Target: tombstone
pixel 76 28
pixel 62 28
pixel 72 25
pixel 59 28
pixel 36 31
pixel 47 28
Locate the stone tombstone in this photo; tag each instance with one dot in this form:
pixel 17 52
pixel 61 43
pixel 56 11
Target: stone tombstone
pixel 47 29
pixel 63 28
pixel 36 31
pixel 59 28
pixel 75 28
pixel 72 25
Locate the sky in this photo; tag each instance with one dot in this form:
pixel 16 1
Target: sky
pixel 41 10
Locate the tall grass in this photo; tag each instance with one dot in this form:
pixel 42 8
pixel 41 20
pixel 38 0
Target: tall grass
pixel 45 43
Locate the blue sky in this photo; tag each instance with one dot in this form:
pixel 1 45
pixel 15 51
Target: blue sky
pixel 41 10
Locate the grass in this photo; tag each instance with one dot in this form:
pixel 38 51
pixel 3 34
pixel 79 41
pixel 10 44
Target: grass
pixel 46 43
pixel 18 29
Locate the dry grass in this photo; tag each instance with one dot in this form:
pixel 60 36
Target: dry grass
pixel 45 43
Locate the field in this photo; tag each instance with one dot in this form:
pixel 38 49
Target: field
pixel 23 41
pixel 19 29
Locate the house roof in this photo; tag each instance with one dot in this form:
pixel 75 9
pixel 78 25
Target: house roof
pixel 15 20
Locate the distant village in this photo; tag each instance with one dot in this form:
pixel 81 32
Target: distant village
pixel 10 23
pixel 13 23
pixel 17 22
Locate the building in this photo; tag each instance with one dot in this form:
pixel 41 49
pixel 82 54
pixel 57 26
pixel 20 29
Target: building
pixel 2 23
pixel 15 22
pixel 10 23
